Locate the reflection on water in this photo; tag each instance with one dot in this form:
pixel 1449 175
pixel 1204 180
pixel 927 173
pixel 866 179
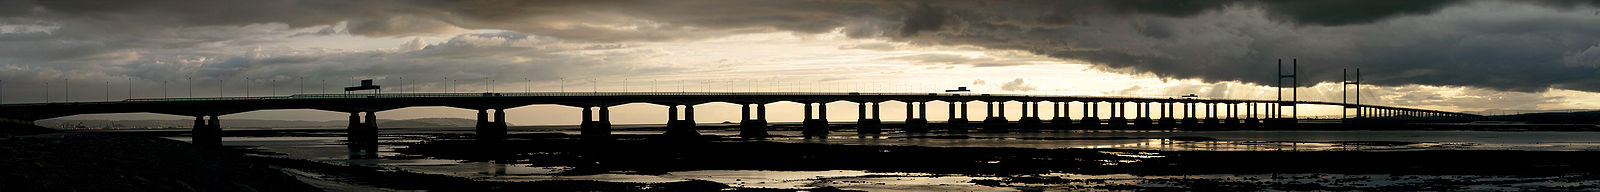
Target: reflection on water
pixel 332 148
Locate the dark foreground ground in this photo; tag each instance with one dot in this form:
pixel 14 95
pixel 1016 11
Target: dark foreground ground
pixel 108 162
pixel 126 162
pixel 37 159
pixel 1038 169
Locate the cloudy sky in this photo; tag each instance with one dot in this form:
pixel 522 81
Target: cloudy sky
pixel 1472 55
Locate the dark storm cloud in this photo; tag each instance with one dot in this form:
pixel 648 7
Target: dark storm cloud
pixel 1499 45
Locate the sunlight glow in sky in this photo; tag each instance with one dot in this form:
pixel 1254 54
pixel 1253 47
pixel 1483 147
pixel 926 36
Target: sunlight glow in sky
pixel 1474 56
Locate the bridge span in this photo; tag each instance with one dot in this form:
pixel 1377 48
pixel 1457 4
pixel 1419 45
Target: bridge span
pixel 1217 113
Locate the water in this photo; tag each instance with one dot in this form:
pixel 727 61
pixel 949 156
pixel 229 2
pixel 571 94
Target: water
pixel 328 147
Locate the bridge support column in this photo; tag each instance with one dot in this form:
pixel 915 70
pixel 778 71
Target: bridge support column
pixel 1167 120
pixel 487 130
pixel 362 136
pixel 1091 116
pixel 206 134
pixel 683 128
pixel 958 121
pixel 868 125
pixel 1030 121
pixel 917 122
pixel 1211 121
pixel 753 128
pixel 1059 116
pixel 362 133
pixel 1189 120
pixel 996 122
pixel 1274 118
pixel 816 127
pixel 353 131
pixel 1250 120
pixel 356 137
pixel 1119 118
pixel 371 131
pixel 1142 116
pixel 597 129
pixel 1232 121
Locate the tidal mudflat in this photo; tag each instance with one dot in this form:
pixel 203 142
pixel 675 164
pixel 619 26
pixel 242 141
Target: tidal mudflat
pixel 1070 160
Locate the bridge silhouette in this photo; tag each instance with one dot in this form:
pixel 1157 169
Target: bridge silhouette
pixel 1217 113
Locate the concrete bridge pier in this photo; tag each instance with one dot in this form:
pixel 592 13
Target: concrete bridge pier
pixel 1189 120
pixel 1142 116
pixel 1119 119
pixel 363 136
pixel 1030 121
pixel 593 128
pixel 1091 116
pixel 1059 118
pixel 996 120
pixel 206 134
pixel 958 121
pixel 1250 120
pixel 1211 121
pixel 816 127
pixel 917 122
pixel 487 130
pixel 1167 120
pixel 1232 121
pixel 868 125
pixel 753 128
pixel 681 128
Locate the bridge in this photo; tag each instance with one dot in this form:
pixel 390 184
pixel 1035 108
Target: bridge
pixel 1217 113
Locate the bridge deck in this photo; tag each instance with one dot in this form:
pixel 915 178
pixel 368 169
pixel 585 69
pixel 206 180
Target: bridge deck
pixel 385 101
